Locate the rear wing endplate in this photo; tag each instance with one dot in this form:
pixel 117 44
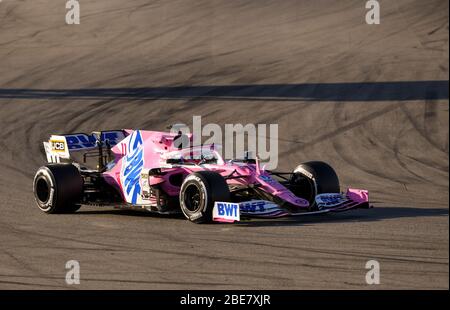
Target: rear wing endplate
pixel 59 147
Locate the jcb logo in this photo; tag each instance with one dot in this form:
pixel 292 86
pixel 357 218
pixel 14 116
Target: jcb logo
pixel 58 146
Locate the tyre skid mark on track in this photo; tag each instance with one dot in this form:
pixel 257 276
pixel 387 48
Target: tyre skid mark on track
pixel 33 285
pixel 360 122
pixel 420 131
pixel 340 253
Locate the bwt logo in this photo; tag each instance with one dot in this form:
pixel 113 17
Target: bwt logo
pixel 253 206
pixel 331 200
pixel 227 209
pixel 132 167
pixel 81 141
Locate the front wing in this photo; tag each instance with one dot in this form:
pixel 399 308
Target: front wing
pixel 335 202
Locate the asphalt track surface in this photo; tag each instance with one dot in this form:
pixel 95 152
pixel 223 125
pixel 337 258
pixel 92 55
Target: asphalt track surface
pixel 370 100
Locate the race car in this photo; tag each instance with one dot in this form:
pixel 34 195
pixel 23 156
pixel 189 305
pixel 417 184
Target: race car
pixel 162 172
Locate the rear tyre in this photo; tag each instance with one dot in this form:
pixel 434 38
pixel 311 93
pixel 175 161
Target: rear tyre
pixel 313 178
pixel 58 188
pixel 199 192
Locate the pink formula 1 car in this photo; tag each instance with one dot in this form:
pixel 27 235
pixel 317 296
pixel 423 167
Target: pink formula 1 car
pixel 156 172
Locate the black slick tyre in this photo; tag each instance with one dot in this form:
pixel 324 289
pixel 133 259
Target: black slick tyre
pixel 199 192
pixel 58 188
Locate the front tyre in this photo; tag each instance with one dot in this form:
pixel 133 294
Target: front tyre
pixel 313 178
pixel 199 192
pixel 58 188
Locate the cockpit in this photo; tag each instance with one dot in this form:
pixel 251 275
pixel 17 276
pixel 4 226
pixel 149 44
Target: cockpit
pixel 198 155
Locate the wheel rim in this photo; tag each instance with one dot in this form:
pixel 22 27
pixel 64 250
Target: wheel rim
pixel 192 198
pixel 42 190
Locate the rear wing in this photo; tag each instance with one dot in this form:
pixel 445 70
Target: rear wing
pixel 60 147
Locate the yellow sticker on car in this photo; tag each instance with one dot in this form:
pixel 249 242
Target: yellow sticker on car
pixel 58 145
